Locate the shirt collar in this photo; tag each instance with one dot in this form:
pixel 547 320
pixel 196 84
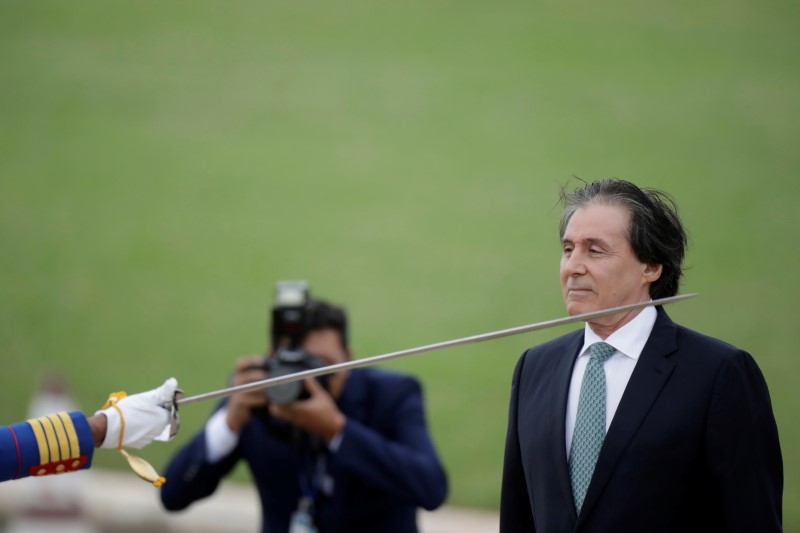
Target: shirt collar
pixel 629 339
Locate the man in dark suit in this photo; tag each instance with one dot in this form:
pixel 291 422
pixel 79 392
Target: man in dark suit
pixel 635 424
pixel 355 456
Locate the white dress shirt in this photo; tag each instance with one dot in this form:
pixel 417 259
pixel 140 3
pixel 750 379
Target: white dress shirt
pixel 629 341
pixel 220 439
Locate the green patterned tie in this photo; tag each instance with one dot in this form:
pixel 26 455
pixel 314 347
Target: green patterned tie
pixel 590 424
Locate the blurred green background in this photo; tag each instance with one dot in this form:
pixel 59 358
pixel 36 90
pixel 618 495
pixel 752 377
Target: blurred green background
pixel 162 165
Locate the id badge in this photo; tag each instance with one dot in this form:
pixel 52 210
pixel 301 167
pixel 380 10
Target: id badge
pixel 301 521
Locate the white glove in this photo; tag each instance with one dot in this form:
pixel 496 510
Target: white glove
pixel 148 416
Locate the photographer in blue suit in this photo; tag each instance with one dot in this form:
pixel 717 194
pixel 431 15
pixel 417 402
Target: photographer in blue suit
pixel 354 455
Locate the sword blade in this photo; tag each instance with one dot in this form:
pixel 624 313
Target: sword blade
pixel 369 361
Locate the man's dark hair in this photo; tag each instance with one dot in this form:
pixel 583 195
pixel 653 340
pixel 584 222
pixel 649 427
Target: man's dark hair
pixel 655 230
pixel 323 315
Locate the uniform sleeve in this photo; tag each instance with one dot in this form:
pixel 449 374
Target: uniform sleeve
pixel 53 444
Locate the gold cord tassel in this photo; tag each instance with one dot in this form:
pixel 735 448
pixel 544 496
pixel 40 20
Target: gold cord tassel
pixel 140 467
pixel 143 469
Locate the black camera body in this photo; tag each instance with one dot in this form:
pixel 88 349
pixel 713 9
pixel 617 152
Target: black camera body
pixel 289 327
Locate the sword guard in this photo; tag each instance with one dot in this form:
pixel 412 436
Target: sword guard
pixel 172 407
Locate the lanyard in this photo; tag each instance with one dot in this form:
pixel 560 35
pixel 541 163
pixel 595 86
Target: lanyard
pixel 310 473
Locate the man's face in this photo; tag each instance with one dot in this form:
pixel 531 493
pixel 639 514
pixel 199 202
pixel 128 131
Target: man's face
pixel 598 266
pixel 327 345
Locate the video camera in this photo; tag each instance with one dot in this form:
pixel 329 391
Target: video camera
pixel 290 314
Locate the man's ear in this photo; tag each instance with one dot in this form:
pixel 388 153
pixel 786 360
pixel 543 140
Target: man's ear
pixel 652 272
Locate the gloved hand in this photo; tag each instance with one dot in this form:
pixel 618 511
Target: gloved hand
pixel 148 416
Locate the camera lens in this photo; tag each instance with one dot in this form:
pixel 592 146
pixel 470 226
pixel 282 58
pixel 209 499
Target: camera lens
pixel 287 392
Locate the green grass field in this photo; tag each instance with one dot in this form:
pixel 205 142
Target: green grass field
pixel 162 165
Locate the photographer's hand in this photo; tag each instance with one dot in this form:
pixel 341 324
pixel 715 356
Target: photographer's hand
pixel 248 369
pixel 318 414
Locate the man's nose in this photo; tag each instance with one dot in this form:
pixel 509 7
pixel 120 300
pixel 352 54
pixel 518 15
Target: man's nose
pixel 575 264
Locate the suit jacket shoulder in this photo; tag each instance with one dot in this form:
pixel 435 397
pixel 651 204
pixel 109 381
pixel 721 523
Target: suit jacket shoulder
pixel 384 386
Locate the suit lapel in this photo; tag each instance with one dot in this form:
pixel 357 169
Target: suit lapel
pixel 649 377
pixel 558 409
